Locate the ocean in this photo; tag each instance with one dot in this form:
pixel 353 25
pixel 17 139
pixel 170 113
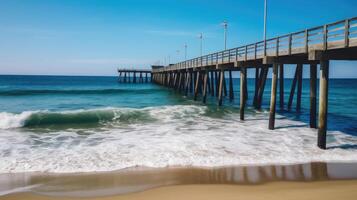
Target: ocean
pixel 87 124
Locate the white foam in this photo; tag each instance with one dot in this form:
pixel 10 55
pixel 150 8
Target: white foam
pixel 10 120
pixel 181 135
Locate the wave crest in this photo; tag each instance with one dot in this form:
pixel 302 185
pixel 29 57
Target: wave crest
pixel 96 116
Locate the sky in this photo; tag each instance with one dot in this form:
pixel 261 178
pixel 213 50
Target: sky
pixel 95 37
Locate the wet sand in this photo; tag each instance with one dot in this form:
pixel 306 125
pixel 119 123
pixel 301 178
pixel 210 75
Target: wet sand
pixel 312 180
pixel 326 190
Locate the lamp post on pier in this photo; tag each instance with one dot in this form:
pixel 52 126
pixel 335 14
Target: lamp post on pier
pixel 265 24
pixel 265 18
pixel 225 26
pixel 200 36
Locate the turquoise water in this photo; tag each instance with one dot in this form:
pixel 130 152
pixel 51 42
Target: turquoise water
pixel 48 122
pixel 61 93
pixel 23 93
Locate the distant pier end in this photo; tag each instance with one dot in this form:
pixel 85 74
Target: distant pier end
pixel 134 75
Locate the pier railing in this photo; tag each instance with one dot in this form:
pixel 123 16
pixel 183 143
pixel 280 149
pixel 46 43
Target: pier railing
pixel 340 34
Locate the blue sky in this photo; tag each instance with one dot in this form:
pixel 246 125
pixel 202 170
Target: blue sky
pixel 93 37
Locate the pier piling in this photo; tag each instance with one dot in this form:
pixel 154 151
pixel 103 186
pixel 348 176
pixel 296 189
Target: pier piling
pixel 323 100
pixel 292 90
pixel 231 93
pixel 217 77
pixel 299 88
pixel 256 90
pixel 205 79
pixel 263 78
pixel 197 85
pixel 281 86
pixel 224 83
pixel 313 74
pixel 212 84
pixel 273 97
pixel 243 83
pixel 220 90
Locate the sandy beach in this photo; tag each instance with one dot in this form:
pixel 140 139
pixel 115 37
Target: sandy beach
pixel 280 190
pixel 312 180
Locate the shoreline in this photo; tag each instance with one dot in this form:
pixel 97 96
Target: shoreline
pixel 140 180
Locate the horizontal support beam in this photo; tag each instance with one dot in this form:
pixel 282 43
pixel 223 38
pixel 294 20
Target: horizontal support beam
pixel 249 63
pixel 296 59
pixel 334 54
pixel 226 66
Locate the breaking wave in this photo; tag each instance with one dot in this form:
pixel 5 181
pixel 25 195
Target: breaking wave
pixel 93 116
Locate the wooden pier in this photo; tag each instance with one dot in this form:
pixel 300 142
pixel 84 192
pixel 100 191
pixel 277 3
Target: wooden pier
pixel 134 76
pixel 315 46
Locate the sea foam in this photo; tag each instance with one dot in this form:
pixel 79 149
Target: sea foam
pixel 181 135
pixel 11 120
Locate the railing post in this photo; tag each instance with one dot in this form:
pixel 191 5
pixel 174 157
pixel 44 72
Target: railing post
pixel 347 32
pixel 277 47
pixel 246 53
pixel 325 37
pixel 236 49
pixel 265 47
pixel 306 41
pixel 229 55
pixel 290 44
pixel 255 51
